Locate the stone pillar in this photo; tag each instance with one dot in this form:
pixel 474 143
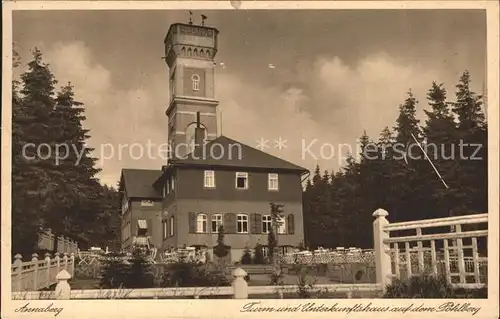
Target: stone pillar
pixel 240 285
pixel 381 250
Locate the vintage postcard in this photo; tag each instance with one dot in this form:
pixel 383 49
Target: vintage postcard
pixel 237 159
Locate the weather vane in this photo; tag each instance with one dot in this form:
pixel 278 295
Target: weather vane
pixel 203 18
pixel 190 17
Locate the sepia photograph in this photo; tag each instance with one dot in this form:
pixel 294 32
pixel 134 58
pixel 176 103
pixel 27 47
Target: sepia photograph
pixel 233 150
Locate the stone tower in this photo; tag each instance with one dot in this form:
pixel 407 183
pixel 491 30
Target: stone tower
pixel 189 53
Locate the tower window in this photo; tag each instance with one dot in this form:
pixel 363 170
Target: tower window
pixel 196 82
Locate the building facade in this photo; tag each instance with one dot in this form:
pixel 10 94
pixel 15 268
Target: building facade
pixel 210 180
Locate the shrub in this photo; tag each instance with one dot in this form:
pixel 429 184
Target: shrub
pixel 221 250
pixel 132 273
pixel 189 274
pixel 424 286
pixel 246 259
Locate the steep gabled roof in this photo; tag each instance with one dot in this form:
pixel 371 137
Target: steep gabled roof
pixel 139 183
pixel 226 152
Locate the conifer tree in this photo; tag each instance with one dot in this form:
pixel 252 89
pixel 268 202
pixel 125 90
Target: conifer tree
pixel 33 187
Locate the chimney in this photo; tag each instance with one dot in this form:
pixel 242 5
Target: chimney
pixel 199 132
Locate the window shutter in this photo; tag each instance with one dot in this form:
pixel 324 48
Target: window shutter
pixel 150 227
pixel 251 220
pixel 258 223
pixel 192 222
pixel 174 228
pixel 230 223
pixel 291 225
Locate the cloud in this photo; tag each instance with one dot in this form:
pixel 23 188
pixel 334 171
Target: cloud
pixel 117 118
pixel 329 104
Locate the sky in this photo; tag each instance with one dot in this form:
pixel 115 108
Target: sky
pixel 337 73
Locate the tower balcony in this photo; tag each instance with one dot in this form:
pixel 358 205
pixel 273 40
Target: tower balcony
pixel 189 40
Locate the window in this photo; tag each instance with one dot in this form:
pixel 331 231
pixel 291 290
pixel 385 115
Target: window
pixel 196 82
pixel 168 186
pixel 172 184
pixel 124 204
pixel 171 226
pixel 281 225
pixel 148 203
pixel 241 180
pixel 242 223
pixel 172 85
pixel 266 224
pixel 272 183
pixel 142 227
pixel 216 222
pixel 165 229
pixel 164 190
pixel 210 179
pixel 201 223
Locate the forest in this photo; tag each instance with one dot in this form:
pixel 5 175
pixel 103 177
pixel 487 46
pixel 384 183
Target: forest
pixel 338 206
pixel 48 192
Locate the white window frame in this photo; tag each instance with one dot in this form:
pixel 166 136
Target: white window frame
pixel 147 203
pixel 266 219
pixel 171 225
pixel 209 179
pixel 218 220
pixel 202 223
pixel 243 219
pixel 273 181
pixel 165 229
pixel 241 175
pixel 281 225
pixel 195 78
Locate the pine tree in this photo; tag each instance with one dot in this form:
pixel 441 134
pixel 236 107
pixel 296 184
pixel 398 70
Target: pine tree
pixel 79 191
pixel 470 192
pixel 33 189
pixel 440 135
pixel 468 106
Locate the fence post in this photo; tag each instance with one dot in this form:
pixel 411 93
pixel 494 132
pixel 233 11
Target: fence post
pixel 382 250
pixel 58 262
pixel 240 285
pixel 47 263
pixel 72 265
pixel 63 290
pixel 18 263
pixel 34 262
pixel 65 261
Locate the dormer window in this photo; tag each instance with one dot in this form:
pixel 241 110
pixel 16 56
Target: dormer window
pixel 241 180
pixel 272 182
pixel 209 179
pixel 195 78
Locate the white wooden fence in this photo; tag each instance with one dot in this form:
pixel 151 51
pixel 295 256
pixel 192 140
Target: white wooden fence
pixel 48 241
pixel 387 255
pixel 39 274
pixel 394 255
